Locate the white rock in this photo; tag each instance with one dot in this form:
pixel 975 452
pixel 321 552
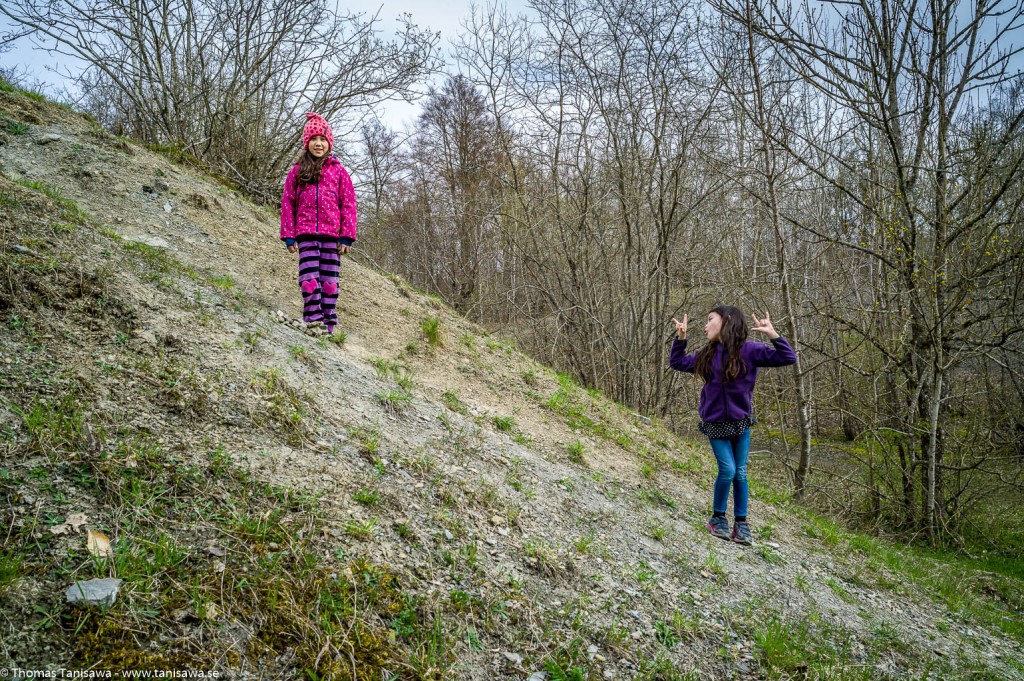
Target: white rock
pixel 101 592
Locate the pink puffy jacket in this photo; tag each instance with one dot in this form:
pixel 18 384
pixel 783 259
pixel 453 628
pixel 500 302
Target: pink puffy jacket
pixel 327 208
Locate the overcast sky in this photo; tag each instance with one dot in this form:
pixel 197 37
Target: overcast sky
pixel 438 15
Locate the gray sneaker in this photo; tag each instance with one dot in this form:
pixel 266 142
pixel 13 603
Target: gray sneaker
pixel 741 534
pixel 719 526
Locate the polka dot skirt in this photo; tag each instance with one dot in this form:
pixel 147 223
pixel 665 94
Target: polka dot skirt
pixel 726 430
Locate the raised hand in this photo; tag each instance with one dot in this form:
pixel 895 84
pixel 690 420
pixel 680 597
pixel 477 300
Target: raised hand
pixel 681 326
pixel 764 325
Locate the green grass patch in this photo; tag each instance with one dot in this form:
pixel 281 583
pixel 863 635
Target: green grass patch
pixel 990 598
pixel 368 440
pixel 16 128
pixel 839 590
pixel 11 562
pixel 769 492
pixel 363 531
pixel 405 380
pixel 504 424
pixel 431 327
pixel 223 281
pixel 396 401
pixel 68 207
pixel 10 88
pixel 825 530
pixel 450 398
pixel 157 259
pixel 568 403
pixel 54 424
pixel 575 451
pixel 367 497
pixel 806 648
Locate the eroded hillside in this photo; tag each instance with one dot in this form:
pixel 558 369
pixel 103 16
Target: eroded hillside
pixel 414 499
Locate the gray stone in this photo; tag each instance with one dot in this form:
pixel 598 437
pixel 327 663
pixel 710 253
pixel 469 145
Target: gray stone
pixel 100 592
pixel 154 241
pixel 46 139
pixel 18 248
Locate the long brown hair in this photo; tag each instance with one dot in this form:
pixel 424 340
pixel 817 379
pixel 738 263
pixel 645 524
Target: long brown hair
pixel 310 167
pixel 733 335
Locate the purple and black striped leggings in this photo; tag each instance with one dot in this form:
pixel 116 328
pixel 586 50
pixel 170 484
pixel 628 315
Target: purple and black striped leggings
pixel 319 265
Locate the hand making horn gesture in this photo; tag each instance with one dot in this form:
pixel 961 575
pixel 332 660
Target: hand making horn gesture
pixel 764 325
pixel 681 327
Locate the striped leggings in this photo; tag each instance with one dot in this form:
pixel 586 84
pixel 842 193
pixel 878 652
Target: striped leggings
pixel 319 265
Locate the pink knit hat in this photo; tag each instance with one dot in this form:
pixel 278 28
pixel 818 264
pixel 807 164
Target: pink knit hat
pixel 316 125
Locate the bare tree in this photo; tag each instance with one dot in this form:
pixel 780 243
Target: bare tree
pixel 226 81
pixel 605 122
pixel 921 198
pixel 454 148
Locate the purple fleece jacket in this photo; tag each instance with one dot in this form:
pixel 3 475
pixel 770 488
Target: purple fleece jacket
pixel 721 401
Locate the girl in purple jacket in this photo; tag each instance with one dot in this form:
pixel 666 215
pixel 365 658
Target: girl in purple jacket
pixel 318 218
pixel 728 364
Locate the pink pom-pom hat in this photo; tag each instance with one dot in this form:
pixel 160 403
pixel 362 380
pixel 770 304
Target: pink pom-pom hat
pixel 316 125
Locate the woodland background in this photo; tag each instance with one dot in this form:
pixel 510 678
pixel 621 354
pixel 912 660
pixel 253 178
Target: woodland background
pixel 587 170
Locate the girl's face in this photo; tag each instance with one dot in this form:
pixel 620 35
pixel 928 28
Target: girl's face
pixel 318 146
pixel 713 329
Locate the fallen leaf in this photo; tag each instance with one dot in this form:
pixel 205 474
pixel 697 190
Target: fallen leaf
pixel 74 523
pixel 99 545
pixel 76 520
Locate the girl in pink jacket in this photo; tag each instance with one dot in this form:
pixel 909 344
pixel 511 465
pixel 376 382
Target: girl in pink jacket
pixel 318 218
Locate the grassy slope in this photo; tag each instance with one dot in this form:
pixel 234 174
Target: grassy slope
pixel 227 566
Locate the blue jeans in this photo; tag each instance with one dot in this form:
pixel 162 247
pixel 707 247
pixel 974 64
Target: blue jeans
pixel 732 472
